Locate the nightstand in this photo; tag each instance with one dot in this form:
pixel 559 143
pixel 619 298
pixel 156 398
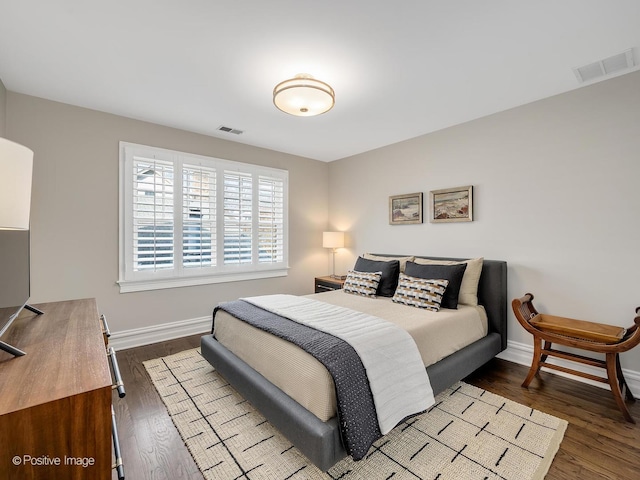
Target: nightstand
pixel 325 284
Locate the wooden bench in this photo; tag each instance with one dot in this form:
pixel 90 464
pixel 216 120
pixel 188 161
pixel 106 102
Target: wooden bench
pixel 594 337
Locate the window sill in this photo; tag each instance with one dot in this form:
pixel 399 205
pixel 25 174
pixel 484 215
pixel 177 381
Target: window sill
pixel 128 286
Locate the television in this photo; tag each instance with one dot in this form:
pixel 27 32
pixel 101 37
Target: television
pixel 15 287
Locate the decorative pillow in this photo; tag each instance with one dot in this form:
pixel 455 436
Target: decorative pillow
pixel 403 260
pixel 469 287
pixel 420 292
pixel 453 273
pixel 390 271
pixel 362 283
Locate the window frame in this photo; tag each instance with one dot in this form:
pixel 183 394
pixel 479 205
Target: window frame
pixel 130 280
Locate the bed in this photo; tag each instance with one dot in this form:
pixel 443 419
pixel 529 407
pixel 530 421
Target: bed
pixel 318 435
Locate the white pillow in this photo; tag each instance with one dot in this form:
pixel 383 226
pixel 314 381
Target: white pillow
pixel 469 286
pixel 403 260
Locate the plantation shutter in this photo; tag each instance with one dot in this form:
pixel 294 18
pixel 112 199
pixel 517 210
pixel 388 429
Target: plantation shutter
pixel 189 219
pixel 237 201
pixel 198 216
pixel 271 219
pixel 153 208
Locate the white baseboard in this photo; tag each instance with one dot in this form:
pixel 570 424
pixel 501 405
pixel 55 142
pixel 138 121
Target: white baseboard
pixel 159 333
pixel 523 354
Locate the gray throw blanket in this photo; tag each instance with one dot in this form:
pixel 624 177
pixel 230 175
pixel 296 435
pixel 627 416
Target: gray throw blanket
pixel 356 409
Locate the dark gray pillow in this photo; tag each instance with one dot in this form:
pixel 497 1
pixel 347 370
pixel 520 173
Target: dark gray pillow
pixel 453 273
pixel 390 271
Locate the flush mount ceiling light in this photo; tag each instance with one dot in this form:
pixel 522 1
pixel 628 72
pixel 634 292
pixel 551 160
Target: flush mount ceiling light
pixel 303 96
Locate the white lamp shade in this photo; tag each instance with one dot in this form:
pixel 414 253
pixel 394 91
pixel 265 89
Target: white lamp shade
pixel 333 239
pixel 16 165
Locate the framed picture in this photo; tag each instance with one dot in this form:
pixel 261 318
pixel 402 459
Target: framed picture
pixel 451 204
pixel 405 209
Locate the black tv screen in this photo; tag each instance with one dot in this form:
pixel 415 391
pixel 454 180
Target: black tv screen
pixel 14 275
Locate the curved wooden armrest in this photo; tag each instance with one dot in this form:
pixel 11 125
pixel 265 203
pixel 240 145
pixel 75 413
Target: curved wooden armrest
pixel 523 308
pixel 633 332
pixel 525 312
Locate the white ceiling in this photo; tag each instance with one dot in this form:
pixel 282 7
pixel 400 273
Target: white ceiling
pixel 400 69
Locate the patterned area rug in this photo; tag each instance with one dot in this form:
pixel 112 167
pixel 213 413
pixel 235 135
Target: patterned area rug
pixel 468 434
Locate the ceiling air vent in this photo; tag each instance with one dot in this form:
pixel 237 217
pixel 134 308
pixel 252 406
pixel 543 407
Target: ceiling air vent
pixel 608 66
pixel 222 128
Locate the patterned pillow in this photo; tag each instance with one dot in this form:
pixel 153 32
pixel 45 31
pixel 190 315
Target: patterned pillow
pixel 389 271
pixel 362 283
pixel 420 292
pixel 453 273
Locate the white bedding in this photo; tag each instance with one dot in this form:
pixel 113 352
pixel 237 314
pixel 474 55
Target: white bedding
pixel 302 377
pixel 398 380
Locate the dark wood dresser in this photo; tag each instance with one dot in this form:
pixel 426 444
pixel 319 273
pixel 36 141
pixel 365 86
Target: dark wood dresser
pixel 55 401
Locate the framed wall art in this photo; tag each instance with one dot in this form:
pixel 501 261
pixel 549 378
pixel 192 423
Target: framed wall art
pixel 405 209
pixel 451 204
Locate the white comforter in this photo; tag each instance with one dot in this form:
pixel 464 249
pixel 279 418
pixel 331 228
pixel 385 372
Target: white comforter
pixel 396 373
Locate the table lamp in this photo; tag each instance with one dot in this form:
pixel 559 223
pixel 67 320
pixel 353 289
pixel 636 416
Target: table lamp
pixel 333 240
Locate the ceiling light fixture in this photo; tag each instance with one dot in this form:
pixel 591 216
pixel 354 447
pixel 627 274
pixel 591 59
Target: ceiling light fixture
pixel 304 96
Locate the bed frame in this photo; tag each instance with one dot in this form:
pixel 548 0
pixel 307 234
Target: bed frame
pixel 320 441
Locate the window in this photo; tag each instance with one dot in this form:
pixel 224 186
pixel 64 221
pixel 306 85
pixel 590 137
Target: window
pixel 188 220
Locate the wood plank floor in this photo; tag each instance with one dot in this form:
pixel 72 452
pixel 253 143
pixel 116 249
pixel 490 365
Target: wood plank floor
pixel 598 443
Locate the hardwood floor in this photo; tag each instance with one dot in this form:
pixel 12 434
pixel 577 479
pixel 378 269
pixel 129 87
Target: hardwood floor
pixel 598 443
pixel 150 444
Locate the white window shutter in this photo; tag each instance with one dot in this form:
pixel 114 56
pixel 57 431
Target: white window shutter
pixel 153 215
pixel 271 219
pixel 238 200
pixel 198 216
pixel 188 219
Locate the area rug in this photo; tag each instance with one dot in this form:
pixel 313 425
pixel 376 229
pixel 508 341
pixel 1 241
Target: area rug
pixel 468 434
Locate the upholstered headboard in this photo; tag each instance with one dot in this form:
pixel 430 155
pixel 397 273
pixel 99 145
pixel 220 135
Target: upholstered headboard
pixel 492 292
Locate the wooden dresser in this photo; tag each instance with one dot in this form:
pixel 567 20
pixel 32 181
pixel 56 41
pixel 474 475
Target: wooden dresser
pixel 55 401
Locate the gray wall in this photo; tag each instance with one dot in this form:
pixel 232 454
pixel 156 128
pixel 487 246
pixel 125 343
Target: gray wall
pixel 75 212
pixel 3 109
pixel 555 195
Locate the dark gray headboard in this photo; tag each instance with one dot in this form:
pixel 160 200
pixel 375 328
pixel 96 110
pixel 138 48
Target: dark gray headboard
pixel 492 292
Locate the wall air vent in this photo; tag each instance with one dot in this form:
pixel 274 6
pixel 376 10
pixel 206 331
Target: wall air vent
pixel 615 64
pixel 235 131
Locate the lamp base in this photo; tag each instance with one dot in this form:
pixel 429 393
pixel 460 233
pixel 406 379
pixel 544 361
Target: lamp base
pixel 338 277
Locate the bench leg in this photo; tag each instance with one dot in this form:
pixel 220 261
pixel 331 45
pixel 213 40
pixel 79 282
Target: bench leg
pixel 547 346
pixel 613 366
pixel 535 362
pixel 623 382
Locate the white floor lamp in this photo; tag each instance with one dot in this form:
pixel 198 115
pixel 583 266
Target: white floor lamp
pixel 16 164
pixel 333 240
